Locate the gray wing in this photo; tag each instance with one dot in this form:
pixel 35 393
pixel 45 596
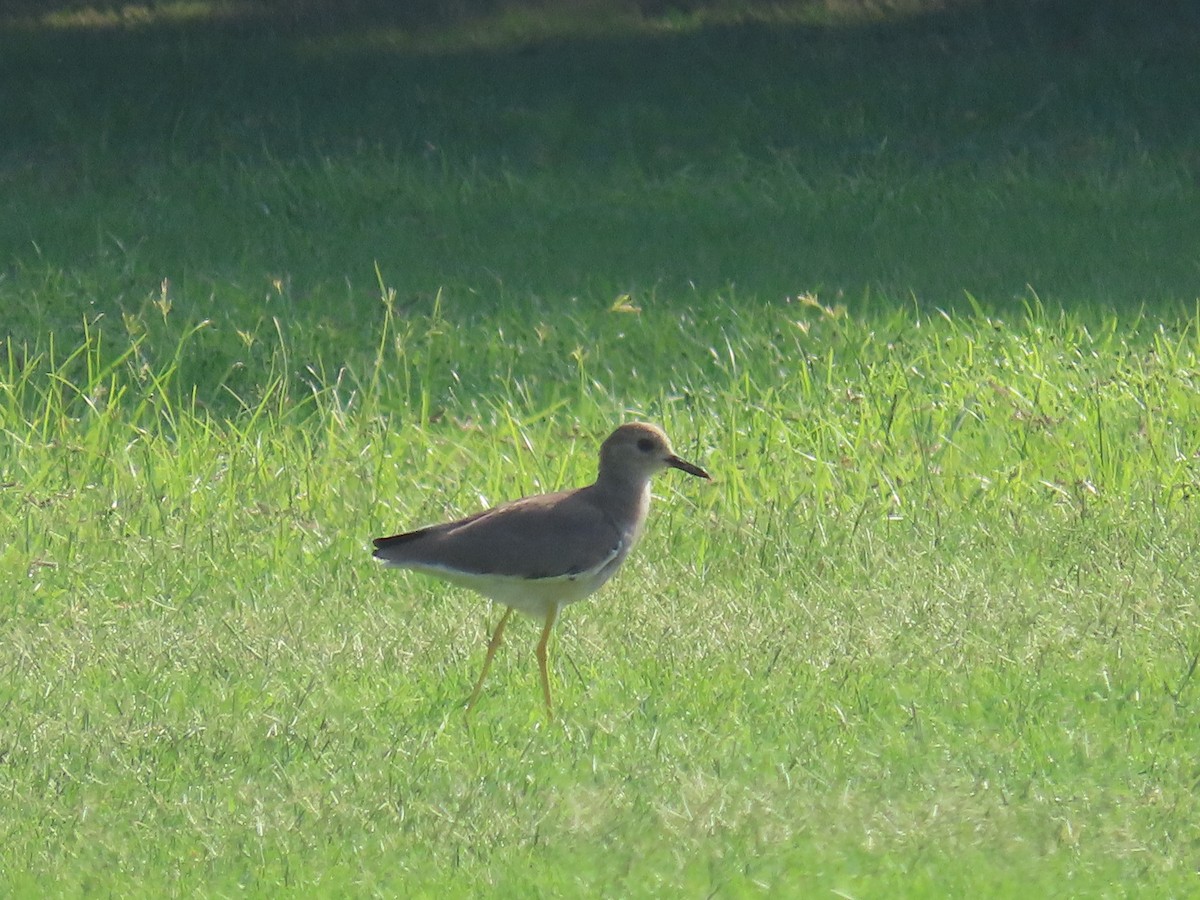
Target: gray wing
pixel 546 536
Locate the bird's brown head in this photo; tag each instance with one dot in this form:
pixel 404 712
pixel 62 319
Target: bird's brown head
pixel 637 451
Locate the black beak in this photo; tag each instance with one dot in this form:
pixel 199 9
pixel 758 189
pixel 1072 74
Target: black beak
pixel 684 466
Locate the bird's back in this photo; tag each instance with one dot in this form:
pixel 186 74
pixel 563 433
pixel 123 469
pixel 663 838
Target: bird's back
pixel 544 536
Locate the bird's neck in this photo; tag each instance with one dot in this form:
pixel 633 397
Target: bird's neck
pixel 627 499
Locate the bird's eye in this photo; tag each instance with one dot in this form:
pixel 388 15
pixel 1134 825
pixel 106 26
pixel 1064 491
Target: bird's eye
pixel 645 445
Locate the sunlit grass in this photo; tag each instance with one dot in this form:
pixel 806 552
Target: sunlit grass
pixel 938 606
pixel 137 15
pixel 493 26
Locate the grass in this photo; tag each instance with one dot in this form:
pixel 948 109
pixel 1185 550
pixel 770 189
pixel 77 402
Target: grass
pixel 931 632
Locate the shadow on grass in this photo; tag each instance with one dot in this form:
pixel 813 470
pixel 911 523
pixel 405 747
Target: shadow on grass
pixel 894 134
pixel 957 83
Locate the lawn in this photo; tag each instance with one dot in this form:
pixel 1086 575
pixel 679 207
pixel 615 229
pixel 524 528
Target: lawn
pixel 918 287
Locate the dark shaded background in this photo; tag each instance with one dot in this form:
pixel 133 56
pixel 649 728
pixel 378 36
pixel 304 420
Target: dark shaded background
pixel 1074 119
pixel 1065 21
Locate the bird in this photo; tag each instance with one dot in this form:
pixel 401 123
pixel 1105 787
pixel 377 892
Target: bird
pixel 540 553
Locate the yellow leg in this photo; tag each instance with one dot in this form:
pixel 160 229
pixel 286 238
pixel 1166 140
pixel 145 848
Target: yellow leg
pixel 541 656
pixel 497 637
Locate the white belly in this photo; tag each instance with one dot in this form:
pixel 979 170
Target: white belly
pixel 532 596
